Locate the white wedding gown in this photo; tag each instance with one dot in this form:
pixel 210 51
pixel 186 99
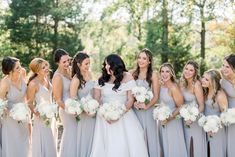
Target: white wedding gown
pixel 123 138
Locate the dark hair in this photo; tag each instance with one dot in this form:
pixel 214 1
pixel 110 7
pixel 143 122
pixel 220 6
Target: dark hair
pixel 8 64
pixel 150 68
pixel 117 66
pixel 231 61
pixel 78 59
pixel 58 54
pixel 196 76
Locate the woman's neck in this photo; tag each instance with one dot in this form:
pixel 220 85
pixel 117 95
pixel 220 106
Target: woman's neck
pixel 14 78
pixel 143 73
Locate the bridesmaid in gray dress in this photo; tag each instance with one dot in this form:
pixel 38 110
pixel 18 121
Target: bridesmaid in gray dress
pixel 81 86
pixel 40 90
pixel 172 133
pixel 144 76
pixel 61 83
pixel 192 91
pixel 15 135
pixel 228 84
pixel 216 102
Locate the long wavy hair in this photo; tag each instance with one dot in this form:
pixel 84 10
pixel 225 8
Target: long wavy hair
pixel 118 68
pixel 35 66
pixel 215 78
pixel 183 81
pixel 150 67
pixel 172 71
pixel 77 61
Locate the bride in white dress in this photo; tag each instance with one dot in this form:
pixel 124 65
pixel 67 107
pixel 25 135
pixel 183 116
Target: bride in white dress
pixel 124 137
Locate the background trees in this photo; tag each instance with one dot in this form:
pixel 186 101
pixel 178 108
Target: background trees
pixel 174 31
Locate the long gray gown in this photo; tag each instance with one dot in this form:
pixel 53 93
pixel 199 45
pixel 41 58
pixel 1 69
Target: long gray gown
pixel 149 125
pixel 230 91
pixel 172 133
pixel 86 125
pixel 15 135
pixel 218 142
pixel 43 141
pixel 195 137
pixel 68 146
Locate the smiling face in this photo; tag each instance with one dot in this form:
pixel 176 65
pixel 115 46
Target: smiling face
pixel 143 60
pixel 226 69
pixel 206 80
pixel 64 62
pixel 165 73
pixel 17 69
pixel 44 69
pixel 107 67
pixel 189 71
pixel 85 65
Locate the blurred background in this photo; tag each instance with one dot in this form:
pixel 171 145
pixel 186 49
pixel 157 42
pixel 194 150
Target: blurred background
pixel 174 30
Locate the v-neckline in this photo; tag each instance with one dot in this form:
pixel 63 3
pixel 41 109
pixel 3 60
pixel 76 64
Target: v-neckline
pixel 18 88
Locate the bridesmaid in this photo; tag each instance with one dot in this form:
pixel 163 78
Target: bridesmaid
pixel 15 135
pixel 216 102
pixel 228 84
pixel 40 90
pixel 144 76
pixel 172 132
pixel 81 86
pixel 193 93
pixel 61 83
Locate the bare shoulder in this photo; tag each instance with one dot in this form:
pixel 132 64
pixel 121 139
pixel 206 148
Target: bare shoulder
pixel 155 75
pixel 5 83
pixel 175 88
pixel 198 84
pixel 56 78
pixel 132 71
pixel 127 77
pixel 221 95
pixel 75 80
pixel 33 85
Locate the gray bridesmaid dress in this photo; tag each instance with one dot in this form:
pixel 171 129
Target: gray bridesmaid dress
pixel 68 146
pixel 218 142
pixel 230 91
pixel 43 141
pixel 15 135
pixel 149 125
pixel 172 133
pixel 86 125
pixel 195 137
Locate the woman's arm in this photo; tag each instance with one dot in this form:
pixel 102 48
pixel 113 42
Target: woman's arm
pixel 57 89
pixel 74 87
pixel 198 91
pixel 30 95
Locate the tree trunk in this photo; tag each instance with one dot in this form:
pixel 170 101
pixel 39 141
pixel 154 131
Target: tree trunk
pixel 164 55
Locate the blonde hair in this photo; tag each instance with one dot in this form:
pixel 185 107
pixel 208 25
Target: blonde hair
pixel 35 66
pixel 172 71
pixel 215 78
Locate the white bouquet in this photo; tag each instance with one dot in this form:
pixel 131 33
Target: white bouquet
pixel 47 111
pixel 228 117
pixel 3 106
pixel 161 112
pixel 112 111
pixel 141 94
pixel 210 124
pixel 20 112
pixel 189 112
pixel 89 105
pixel 73 106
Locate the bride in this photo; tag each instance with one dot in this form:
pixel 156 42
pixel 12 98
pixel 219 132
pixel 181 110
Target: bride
pixel 123 137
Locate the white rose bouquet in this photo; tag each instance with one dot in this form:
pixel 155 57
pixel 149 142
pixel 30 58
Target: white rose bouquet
pixel 20 112
pixel 141 94
pixel 73 106
pixel 162 112
pixel 228 117
pixel 112 111
pixel 47 111
pixel 3 107
pixel 189 112
pixel 211 124
pixel 89 105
